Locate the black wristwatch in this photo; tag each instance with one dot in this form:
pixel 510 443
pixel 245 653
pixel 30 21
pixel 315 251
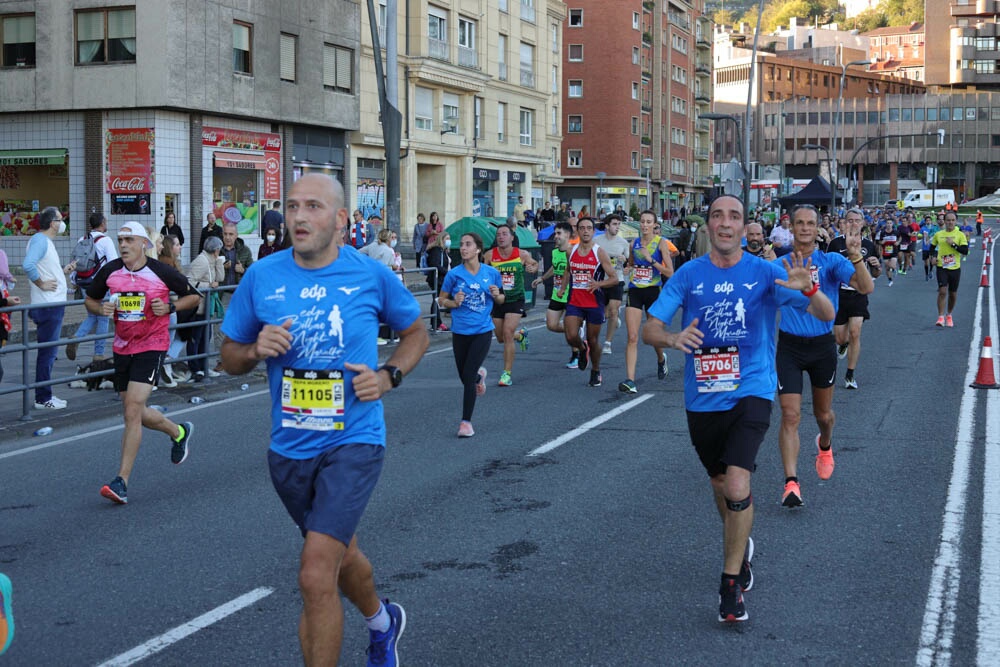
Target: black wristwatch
pixel 395 375
pixel 173 308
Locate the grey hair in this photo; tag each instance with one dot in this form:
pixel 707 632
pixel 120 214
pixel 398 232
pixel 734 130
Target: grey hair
pixel 46 217
pixel 855 210
pixel 213 244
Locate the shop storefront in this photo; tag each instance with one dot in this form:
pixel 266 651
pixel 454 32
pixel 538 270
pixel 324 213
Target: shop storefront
pixel 484 184
pixel 515 189
pixel 31 180
pixel 246 174
pixel 317 151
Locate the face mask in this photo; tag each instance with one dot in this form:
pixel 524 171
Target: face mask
pixel 694 228
pixel 270 239
pixel 62 227
pixel 393 243
pixel 447 243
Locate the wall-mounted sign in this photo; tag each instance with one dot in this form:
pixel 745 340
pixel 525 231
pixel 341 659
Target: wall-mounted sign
pixel 130 157
pixel 486 174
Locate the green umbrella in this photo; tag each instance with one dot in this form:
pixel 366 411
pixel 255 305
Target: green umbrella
pixel 487 230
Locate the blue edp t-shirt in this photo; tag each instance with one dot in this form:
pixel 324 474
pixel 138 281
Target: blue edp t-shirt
pixel 335 313
pixel 829 270
pixel 736 310
pixel 473 316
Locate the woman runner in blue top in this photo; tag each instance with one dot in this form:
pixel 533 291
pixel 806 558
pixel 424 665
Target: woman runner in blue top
pixel 470 291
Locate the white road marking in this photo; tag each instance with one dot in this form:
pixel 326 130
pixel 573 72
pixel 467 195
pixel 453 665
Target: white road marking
pixel 81 437
pixel 988 644
pixel 583 428
pixel 938 628
pixel 157 644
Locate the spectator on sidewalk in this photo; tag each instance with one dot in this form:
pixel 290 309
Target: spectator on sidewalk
pixel 6 282
pixel 211 229
pixel 170 227
pixel 273 220
pixel 205 271
pixel 104 252
pixel 420 240
pixel 48 285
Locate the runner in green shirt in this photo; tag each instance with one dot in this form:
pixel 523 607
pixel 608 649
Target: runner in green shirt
pixel 560 286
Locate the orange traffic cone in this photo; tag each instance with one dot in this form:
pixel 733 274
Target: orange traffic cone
pixel 985 378
pixel 988 253
pixel 984 281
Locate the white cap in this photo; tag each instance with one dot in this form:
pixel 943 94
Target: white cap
pixel 135 229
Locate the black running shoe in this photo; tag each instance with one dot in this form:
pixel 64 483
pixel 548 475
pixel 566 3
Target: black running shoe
pixel 115 491
pixel 595 379
pixel 661 369
pixel 731 606
pixel 746 571
pixel 179 451
pixel 584 356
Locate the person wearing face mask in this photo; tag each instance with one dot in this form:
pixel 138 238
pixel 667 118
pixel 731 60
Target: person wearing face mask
pixel 48 285
pixel 381 250
pixel 270 245
pixel 438 258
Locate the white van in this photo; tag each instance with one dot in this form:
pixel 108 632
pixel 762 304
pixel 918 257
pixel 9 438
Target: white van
pixel 922 198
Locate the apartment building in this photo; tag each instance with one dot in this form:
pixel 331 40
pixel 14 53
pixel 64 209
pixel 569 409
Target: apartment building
pixel 897 50
pixel 166 107
pixel 636 76
pixel 480 92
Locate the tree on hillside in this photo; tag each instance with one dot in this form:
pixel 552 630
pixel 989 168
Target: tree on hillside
pixel 781 14
pixel 723 17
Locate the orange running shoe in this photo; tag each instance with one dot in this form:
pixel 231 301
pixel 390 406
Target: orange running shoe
pixel 940 321
pixel 792 496
pixel 824 461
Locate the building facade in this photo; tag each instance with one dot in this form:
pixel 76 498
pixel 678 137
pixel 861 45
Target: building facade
pixel 159 108
pixel 897 50
pixel 480 93
pixel 962 46
pixel 636 76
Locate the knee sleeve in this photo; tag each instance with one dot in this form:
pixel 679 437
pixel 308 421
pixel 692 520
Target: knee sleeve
pixel 739 505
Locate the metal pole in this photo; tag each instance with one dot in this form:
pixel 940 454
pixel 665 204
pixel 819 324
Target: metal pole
pixel 781 149
pixel 746 125
pixel 836 128
pixel 392 119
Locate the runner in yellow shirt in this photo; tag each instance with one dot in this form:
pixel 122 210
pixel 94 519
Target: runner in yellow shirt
pixel 951 246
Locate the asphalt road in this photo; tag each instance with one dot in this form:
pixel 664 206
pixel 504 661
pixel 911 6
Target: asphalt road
pixel 604 551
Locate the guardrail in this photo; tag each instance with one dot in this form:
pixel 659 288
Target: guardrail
pixel 19 317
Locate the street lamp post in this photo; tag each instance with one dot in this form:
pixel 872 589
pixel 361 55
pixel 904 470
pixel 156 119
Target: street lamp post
pixel 647 163
pixel 744 164
pixel 838 120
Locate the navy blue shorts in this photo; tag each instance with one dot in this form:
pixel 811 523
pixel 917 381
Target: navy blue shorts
pixel 588 315
pixel 328 493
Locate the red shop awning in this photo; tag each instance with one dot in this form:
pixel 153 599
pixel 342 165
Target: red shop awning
pixel 240 161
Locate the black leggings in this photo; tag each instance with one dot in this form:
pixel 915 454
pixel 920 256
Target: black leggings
pixel 470 352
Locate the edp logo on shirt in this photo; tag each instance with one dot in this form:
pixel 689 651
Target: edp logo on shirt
pixel 315 292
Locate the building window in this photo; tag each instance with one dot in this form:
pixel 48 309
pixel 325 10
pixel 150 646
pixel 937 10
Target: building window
pixel 575 53
pixel 635 21
pixel 242 48
pixel 576 87
pixel 635 125
pixel 502 6
pixel 423 108
pixel 527 65
pixel 574 124
pixel 501 122
pixel 574 159
pixel 555 79
pixel 527 117
pixel 528 10
pixel 437 34
pixel 555 38
pixel 467 56
pixel 287 56
pixel 635 90
pixel 555 119
pixel 449 110
pixel 576 18
pixel 635 55
pixel 338 68
pixel 107 36
pixel 478 117
pixel 502 57
pixel 18 39
pixel 635 160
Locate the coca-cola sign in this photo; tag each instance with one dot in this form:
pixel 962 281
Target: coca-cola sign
pixel 224 137
pixel 129 167
pixel 136 184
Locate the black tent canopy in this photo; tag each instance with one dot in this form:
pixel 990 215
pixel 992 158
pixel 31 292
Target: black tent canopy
pixel 817 193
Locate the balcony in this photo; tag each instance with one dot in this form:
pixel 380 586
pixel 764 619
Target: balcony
pixel 702 125
pixel 702 42
pixel 527 78
pixel 527 12
pixel 705 181
pixel 679 20
pixel 703 69
pixel 467 57
pixel 438 49
pixel 701 153
pixel 700 96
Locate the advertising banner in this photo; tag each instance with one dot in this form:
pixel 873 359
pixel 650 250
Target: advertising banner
pixel 268 142
pixel 129 164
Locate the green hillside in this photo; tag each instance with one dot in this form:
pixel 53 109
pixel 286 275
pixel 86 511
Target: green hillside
pixel 778 12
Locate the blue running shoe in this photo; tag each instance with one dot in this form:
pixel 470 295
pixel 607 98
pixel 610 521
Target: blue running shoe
pixel 179 449
pixel 382 645
pixel 6 614
pixel 523 343
pixel 115 491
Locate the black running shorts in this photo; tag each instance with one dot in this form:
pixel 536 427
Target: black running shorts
pixel 614 293
pixel 852 304
pixel 557 306
pixel 508 308
pixel 816 356
pixel 642 298
pixel 143 367
pixel 731 437
pixel 948 278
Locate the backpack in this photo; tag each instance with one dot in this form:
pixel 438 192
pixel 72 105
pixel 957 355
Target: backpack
pixel 87 261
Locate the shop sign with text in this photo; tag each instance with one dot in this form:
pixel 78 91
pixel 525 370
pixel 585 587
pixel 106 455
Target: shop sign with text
pixel 130 159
